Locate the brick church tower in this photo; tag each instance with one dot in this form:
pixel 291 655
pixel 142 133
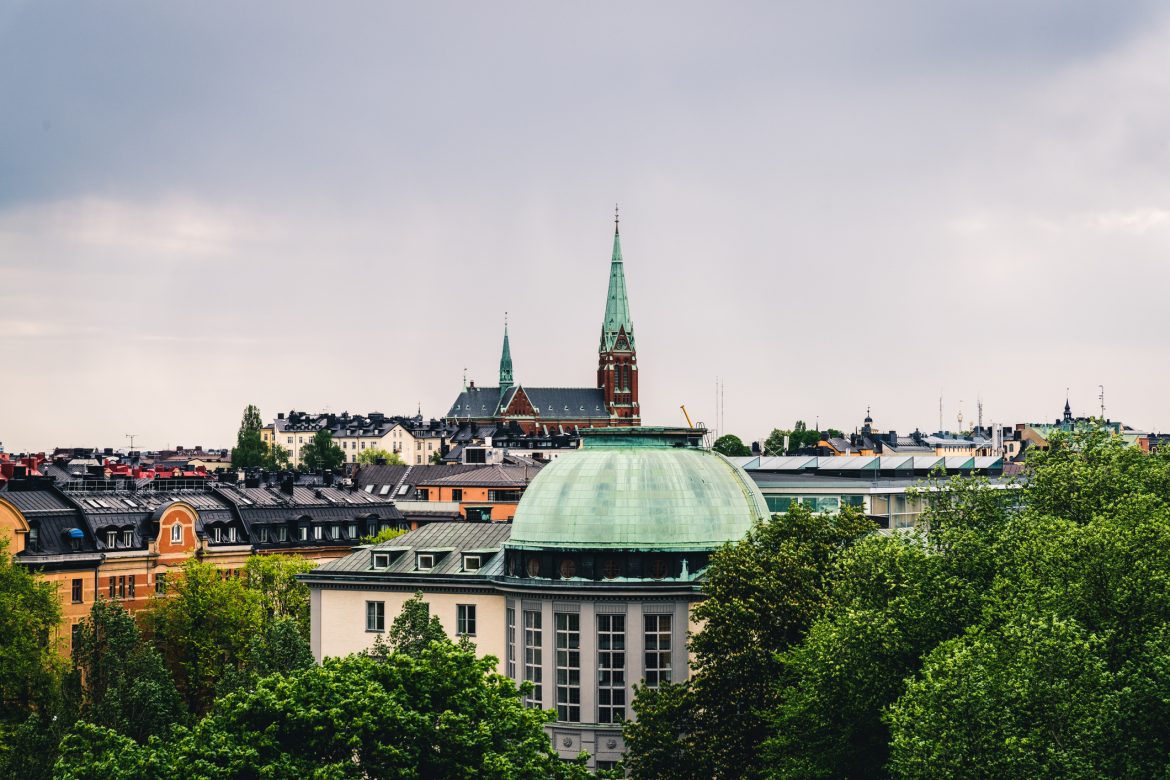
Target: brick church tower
pixel 617 363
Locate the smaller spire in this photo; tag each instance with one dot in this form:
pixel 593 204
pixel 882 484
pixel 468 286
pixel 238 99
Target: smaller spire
pixel 616 220
pixel 505 360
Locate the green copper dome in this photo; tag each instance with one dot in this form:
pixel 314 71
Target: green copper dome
pixel 637 489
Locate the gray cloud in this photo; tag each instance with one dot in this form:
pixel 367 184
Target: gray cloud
pixel 203 206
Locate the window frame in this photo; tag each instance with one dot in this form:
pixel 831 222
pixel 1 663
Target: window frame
pixel 176 533
pixel 657 661
pixel 418 561
pixel 612 658
pixel 534 656
pixel 465 620
pixel 77 590
pixel 567 628
pixel 375 617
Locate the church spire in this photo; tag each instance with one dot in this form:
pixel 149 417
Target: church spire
pixel 617 305
pixel 506 360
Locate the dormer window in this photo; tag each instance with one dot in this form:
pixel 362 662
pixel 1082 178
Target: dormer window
pixel 472 562
pixel 111 539
pixel 177 533
pixel 128 538
pixel 217 534
pixel 232 534
pixel 425 561
pixel 34 538
pixel 381 560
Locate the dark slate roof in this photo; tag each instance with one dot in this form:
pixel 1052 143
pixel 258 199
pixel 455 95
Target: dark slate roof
pixel 450 540
pixel 489 476
pixel 552 402
pixel 36 501
pixel 378 478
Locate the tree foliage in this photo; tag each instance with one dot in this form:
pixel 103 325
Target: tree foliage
pixel 441 713
pixel 203 628
pixel 273 579
pixel 385 535
pixel 250 450
pixel 731 445
pixel 415 628
pixel 321 453
pixel 276 458
pixel 369 457
pixel 797 438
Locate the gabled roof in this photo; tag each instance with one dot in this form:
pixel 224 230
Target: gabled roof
pixel 488 476
pixel 550 402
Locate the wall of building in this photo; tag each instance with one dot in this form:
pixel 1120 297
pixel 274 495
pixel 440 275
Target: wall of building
pixel 341 629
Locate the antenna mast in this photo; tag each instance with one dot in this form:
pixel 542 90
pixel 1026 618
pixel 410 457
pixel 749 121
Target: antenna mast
pixel 131 437
pixel 1101 397
pixel 979 406
pixel 940 422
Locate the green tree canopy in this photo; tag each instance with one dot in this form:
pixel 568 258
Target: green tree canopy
pixel 321 453
pixel 250 450
pixel 369 457
pixel 442 713
pixel 274 579
pixel 384 535
pixel 415 628
pixel 276 458
pixel 125 685
pixel 731 445
pixel 203 627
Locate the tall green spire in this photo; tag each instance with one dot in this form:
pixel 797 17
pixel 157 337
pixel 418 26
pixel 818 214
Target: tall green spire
pixel 506 360
pixel 617 305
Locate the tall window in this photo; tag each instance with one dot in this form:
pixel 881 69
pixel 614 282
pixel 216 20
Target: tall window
pixel 657 649
pixel 128 538
pixel 263 534
pixel 465 619
pixel 177 533
pixel 160 582
pixel 111 538
pixel 568 629
pixel 611 668
pixel 510 638
pixel 375 616
pixel 534 656
pixel 113 587
pixel 77 591
pixel 132 584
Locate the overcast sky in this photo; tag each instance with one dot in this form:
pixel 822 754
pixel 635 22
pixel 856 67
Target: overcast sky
pixel 828 205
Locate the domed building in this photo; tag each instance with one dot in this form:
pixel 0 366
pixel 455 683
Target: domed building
pixel 587 593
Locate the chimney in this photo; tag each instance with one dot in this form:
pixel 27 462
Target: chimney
pixel 287 482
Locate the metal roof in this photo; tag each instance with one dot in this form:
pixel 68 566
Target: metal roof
pixel 484 539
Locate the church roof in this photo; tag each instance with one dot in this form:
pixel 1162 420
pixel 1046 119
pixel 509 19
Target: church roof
pixel 552 402
pixel 617 304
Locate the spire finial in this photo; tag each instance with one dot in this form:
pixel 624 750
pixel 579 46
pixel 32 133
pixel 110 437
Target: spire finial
pixel 616 219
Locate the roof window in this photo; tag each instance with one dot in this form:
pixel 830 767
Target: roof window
pixel 472 562
pixel 381 560
pixel 425 561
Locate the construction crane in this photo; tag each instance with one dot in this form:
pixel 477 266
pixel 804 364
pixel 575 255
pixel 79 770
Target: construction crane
pixel 684 411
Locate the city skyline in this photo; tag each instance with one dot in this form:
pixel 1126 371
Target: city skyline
pixel 828 209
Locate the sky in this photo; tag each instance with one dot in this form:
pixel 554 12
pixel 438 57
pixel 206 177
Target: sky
pixel 826 206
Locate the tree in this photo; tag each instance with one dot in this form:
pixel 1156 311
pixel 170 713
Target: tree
pixel 385 535
pixel 250 450
pixel 775 444
pixel 731 446
pixel 762 593
pixel 321 453
pixel 203 627
pixel 281 594
pixel 415 628
pixel 276 458
pixel 30 691
pixel 370 456
pixel 442 713
pixel 125 685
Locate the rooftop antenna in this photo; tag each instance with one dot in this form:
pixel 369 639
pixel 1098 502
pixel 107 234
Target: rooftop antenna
pixel 940 422
pixel 133 436
pixel 979 406
pixel 1101 397
pixel 465 378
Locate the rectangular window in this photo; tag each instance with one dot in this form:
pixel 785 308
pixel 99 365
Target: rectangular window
pixel 317 531
pixel 77 591
pixel 304 533
pixel 352 531
pixel 132 583
pixel 113 587
pixel 381 560
pixel 177 533
pixel 611 668
pixel 217 534
pixel 658 647
pixel 426 562
pixel 263 535
pixel 282 533
pixel 504 496
pixel 376 616
pixel 122 587
pixel 232 534
pixel 424 494
pixel 465 619
pixel 568 658
pixel 335 531
pixel 34 538
pixel 456 494
pixel 472 562
pixel 160 582
pixel 534 656
pixel 128 538
pixel 111 539
pixel 510 639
